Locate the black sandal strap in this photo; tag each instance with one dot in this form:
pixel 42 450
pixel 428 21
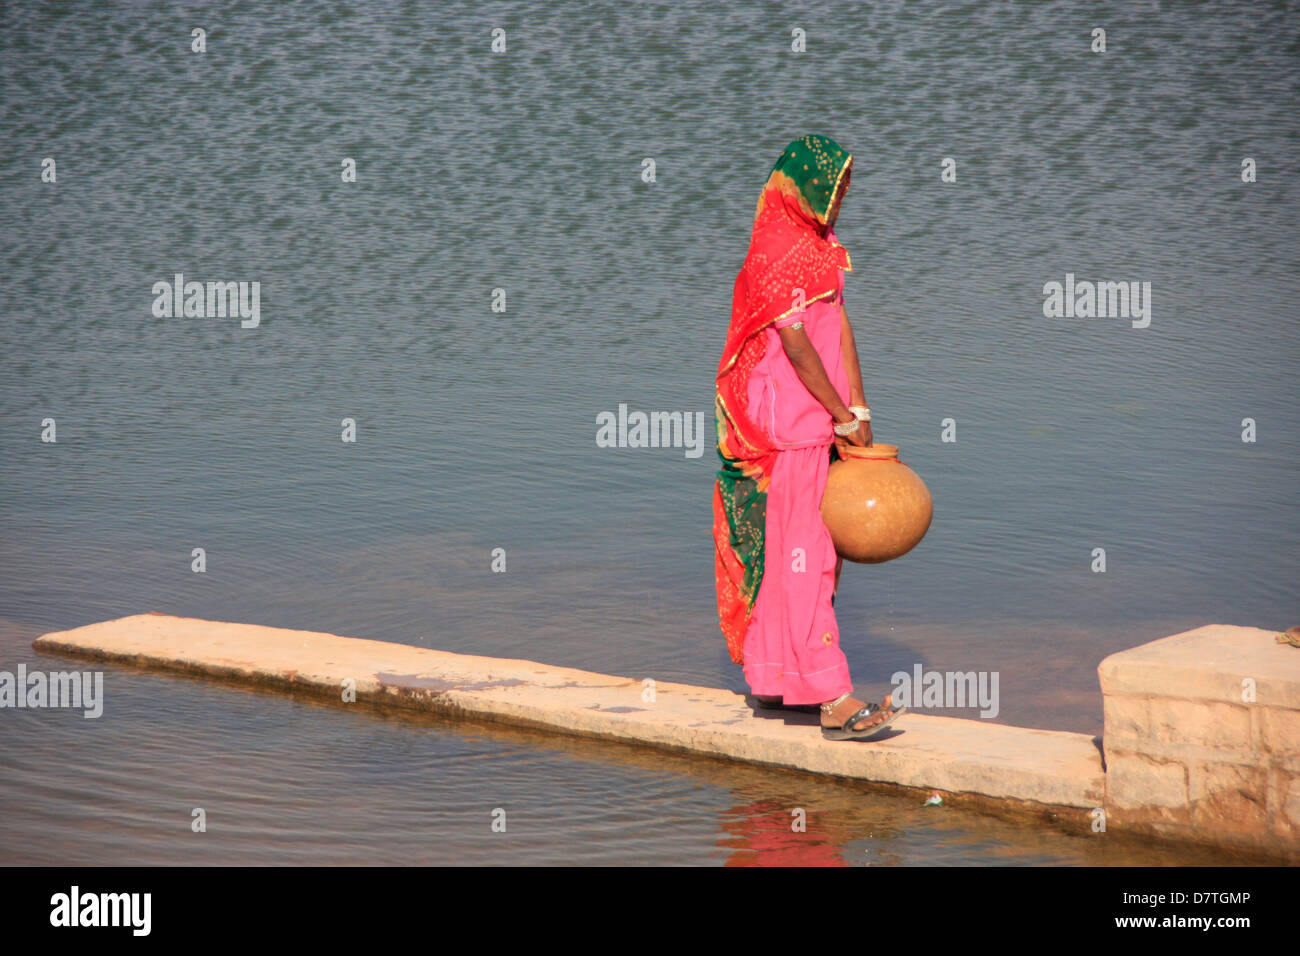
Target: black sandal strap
pixel 868 710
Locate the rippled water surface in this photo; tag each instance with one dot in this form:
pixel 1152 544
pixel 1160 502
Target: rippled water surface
pixel 476 429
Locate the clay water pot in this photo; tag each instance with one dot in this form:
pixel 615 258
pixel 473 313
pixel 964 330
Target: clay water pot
pixel 875 507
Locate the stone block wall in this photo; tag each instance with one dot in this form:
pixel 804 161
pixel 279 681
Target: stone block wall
pixel 1202 739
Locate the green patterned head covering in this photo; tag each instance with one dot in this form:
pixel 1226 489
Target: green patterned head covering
pixel 814 165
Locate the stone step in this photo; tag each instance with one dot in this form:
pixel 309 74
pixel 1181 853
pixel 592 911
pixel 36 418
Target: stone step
pixel 995 761
pixel 1203 738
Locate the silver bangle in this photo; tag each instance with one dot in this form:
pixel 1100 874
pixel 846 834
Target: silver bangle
pixel 861 411
pixel 846 428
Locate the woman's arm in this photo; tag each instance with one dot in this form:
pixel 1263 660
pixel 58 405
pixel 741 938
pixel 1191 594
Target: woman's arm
pixel 808 366
pixel 849 353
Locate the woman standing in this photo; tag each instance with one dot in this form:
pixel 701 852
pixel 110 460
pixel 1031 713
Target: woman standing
pixel 788 387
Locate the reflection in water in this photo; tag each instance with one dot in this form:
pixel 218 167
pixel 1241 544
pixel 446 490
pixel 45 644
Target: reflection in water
pixel 763 834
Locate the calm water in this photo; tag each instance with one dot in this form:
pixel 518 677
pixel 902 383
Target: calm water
pixel 522 172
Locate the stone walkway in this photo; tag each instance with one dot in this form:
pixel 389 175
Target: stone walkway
pixel 997 761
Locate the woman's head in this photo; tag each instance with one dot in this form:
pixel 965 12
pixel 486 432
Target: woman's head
pixel 791 259
pixel 813 174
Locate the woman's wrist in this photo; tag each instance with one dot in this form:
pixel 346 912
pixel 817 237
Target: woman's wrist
pixel 844 429
pixel 842 415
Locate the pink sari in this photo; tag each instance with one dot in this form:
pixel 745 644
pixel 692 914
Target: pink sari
pixel 792 645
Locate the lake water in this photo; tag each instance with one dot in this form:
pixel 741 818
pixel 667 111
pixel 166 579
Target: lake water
pixel 476 428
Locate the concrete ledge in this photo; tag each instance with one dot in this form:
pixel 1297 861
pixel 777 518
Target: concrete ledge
pixel 1013 764
pixel 1202 738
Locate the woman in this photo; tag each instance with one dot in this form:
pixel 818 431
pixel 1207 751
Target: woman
pixel 788 387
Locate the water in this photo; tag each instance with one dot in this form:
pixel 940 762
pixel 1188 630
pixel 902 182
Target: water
pixel 476 428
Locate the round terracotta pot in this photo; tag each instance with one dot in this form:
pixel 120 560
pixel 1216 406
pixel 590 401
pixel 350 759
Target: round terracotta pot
pixel 875 507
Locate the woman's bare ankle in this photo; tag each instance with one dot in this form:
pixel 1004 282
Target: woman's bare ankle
pixel 841 711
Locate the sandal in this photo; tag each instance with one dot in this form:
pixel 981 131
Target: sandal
pixel 843 731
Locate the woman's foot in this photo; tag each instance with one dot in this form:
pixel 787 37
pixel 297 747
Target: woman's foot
pixel 850 705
